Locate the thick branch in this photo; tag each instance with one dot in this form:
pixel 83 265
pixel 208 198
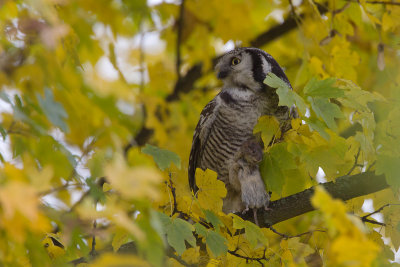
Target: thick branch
pixel 344 188
pixel 186 83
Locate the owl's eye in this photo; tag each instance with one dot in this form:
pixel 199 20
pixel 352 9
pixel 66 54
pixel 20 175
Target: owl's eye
pixel 235 61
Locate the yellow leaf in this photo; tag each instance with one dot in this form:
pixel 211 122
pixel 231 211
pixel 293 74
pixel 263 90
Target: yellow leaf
pixel 191 255
pixel 211 191
pixel 344 61
pixel 349 251
pixel 392 220
pixel 133 182
pixel 269 128
pixel 53 245
pixel 17 197
pixel 107 260
pixel 317 68
pixel 213 263
pixel 390 21
pixel 350 243
pixel 119 238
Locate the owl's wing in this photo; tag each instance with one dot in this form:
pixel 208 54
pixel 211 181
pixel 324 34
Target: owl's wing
pixel 200 137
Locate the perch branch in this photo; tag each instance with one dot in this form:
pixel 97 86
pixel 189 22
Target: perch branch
pixel 344 188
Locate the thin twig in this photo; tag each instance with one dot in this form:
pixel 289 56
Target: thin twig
pixel 373 221
pixel 370 166
pixel 93 251
pixel 355 162
pixel 141 56
pixel 259 259
pixel 171 186
pixel 179 40
pixel 293 236
pixel 114 62
pixel 379 210
pixel 171 254
pixel 378 2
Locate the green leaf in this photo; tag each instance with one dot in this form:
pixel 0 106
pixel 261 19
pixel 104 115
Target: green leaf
pixel 200 229
pixel 213 219
pixel 178 231
pixel 357 98
pixel 5 97
pixel 287 97
pixel 162 157
pixel 284 158
pixel 53 110
pixel 95 191
pixel 390 166
pixel 317 125
pixel 3 133
pixel 326 110
pixel 268 126
pixel 272 174
pixel 253 233
pixel 323 88
pixel 216 243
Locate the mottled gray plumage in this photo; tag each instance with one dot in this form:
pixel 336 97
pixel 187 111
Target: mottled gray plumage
pixel 245 176
pixel 227 121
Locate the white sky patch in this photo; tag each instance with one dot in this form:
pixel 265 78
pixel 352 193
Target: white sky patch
pixel 368 205
pixel 54 202
pixel 125 107
pixel 106 70
pixel 230 45
pixel 221 47
pixel 152 43
pixel 321 177
pixel 5 107
pixel 296 2
pixel 5 150
pixel 80 168
pixel 277 15
pixel 157 2
pixel 307 115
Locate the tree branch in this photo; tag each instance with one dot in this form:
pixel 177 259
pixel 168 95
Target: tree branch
pixel 344 188
pixel 186 83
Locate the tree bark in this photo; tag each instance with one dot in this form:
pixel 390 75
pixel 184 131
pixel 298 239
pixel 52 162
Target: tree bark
pixel 345 188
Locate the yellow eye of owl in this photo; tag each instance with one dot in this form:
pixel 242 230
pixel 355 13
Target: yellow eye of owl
pixel 235 61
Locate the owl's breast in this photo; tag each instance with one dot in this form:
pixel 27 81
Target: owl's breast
pixel 233 125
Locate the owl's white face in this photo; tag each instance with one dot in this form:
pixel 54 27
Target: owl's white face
pixel 237 69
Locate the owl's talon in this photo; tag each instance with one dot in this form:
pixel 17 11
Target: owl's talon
pixel 245 210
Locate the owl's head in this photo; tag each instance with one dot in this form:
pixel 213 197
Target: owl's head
pixel 247 67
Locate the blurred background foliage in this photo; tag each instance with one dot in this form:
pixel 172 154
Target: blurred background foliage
pixel 86 84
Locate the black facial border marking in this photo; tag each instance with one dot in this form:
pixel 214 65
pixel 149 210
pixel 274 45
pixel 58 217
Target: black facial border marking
pixel 227 98
pixel 257 69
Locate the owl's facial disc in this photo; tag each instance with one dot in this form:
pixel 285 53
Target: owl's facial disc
pixel 227 65
pixel 236 70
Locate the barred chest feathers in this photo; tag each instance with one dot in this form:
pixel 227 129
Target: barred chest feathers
pixel 227 121
pixel 237 113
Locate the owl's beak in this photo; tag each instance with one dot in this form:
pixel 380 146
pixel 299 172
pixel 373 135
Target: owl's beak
pixel 223 73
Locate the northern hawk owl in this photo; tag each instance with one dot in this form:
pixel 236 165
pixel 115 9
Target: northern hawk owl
pixel 227 121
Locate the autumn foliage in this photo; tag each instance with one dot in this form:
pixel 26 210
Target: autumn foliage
pixel 99 101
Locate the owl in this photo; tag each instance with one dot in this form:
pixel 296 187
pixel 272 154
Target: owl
pixel 227 121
